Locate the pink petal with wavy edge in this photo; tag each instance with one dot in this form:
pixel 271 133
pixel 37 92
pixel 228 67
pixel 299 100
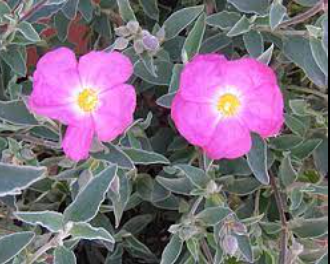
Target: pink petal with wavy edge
pixel 264 113
pixel 195 121
pixel 101 70
pixel 55 81
pixel 231 140
pixel 77 142
pixel 116 112
pixel 202 78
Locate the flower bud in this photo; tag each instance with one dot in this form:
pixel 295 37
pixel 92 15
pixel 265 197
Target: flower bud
pixel 133 27
pixel 230 245
pixel 239 229
pixel 122 32
pixel 151 43
pixel 138 46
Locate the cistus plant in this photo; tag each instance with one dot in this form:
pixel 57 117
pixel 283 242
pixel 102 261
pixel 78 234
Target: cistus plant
pixel 164 131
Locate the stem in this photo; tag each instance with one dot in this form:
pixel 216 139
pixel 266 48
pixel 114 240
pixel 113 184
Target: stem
pixel 321 6
pixel 284 221
pixel 43 250
pixel 207 252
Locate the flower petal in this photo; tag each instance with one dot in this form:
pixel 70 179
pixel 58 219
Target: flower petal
pixel 55 81
pixel 201 78
pixel 246 74
pixel 231 140
pixel 104 70
pixel 116 112
pixel 195 121
pixel 264 113
pixel 77 142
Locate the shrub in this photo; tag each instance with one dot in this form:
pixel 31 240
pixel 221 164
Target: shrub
pixel 149 196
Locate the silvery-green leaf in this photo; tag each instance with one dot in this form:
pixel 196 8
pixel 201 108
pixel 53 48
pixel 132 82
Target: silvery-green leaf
pixel 14 179
pixel 194 40
pixel 251 6
pixel 126 10
pixel 53 221
pixel 288 174
pixel 267 56
pixel 63 255
pixel 17 113
pixel 151 8
pixel 241 27
pixel 166 100
pixel 258 160
pixel 143 157
pixel 88 232
pixel 254 43
pixel 14 244
pixel 172 251
pixel 181 19
pixel 87 204
pixel 213 216
pixel 320 55
pixel 28 31
pixel 224 20
pixel 277 14
pixel 293 48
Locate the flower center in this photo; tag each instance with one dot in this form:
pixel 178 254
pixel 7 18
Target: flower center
pixel 229 105
pixel 88 100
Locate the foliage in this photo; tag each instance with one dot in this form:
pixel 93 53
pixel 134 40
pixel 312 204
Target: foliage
pixel 149 197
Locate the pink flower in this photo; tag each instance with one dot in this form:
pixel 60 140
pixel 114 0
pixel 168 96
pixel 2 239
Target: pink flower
pixel 221 102
pixel 90 96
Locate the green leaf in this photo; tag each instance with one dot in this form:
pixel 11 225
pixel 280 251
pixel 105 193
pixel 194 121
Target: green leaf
pixel 126 11
pixel 293 48
pixel 215 43
pixel 28 31
pixel 64 256
pixel 4 9
pixel 163 72
pixel 180 20
pixel 143 157
pixel 320 55
pixel 16 112
pixel 86 231
pixel 258 159
pixel 14 179
pixel 267 56
pixel 14 244
pixel 321 157
pixel 324 259
pixel 166 100
pixel 138 250
pixel 197 176
pixel 194 40
pixel 175 80
pixel 213 216
pixel 245 247
pixel 172 251
pixel 137 224
pixel 259 7
pixel 298 127
pixel 254 43
pixel 116 156
pixel 15 59
pixel 87 204
pixel 277 14
pixel 310 228
pixel 176 185
pixel 288 174
pixel 224 20
pixel 87 10
pixel 238 167
pixel 194 248
pixel 151 9
pixel 53 221
pixel 241 27
pixel 306 149
pixel 286 142
pixel 120 195
pixel 70 9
